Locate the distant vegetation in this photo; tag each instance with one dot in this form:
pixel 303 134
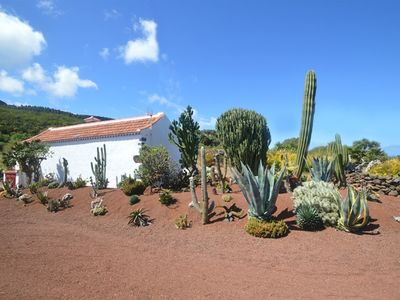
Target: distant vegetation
pixel 20 122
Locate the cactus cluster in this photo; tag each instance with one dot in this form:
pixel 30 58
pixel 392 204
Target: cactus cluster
pixel 266 229
pixel 260 191
pixel 204 208
pixel 99 168
pixel 306 121
pixel 244 136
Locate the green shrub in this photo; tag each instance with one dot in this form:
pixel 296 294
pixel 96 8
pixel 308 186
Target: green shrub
pixel 53 206
pixel 182 222
pixel 390 167
pixel 134 199
pixel 166 197
pixel 43 198
pixel 322 196
pixel 266 229
pixel 79 183
pixel 53 185
pixel 33 187
pixel 308 218
pixel 130 186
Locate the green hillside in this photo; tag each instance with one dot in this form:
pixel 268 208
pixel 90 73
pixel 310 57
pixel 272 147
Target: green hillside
pixel 21 122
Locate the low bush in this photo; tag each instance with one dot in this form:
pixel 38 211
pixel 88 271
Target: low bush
pixel 79 183
pixel 130 186
pixel 33 187
pixel 266 229
pixel 166 197
pixel 53 185
pixel 390 167
pixel 182 222
pixel 134 199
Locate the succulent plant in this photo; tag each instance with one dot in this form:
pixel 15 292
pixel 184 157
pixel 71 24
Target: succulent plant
pixel 97 208
pixel 99 168
pixel 182 222
pixel 260 191
pixel 322 196
pixel 134 199
pixel 321 168
pixel 354 212
pixel 231 212
pixel 166 197
pixel 43 198
pixel 308 218
pixel 342 159
pixel 53 205
pixel 138 218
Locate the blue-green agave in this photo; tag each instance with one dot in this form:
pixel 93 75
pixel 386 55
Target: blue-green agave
pixel 260 191
pixel 321 168
pixel 354 212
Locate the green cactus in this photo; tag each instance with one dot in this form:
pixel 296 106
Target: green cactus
pixel 204 208
pixel 245 137
pixel 99 168
pixel 260 191
pixel 65 165
pixel 310 88
pixel 342 159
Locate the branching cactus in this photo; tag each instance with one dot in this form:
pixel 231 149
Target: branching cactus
pixel 306 121
pixel 204 208
pixel 99 168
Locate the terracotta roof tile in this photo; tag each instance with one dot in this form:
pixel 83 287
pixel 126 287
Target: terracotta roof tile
pixel 97 129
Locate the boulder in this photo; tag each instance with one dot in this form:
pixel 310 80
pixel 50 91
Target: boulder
pixel 393 193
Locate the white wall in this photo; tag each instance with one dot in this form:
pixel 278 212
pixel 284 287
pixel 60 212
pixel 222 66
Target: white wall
pixel 158 136
pixel 120 151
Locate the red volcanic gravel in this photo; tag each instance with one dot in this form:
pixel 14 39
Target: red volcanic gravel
pixel 74 255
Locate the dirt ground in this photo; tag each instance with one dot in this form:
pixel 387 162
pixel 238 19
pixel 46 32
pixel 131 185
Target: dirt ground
pixel 74 255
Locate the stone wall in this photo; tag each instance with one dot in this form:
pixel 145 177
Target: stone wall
pixel 381 184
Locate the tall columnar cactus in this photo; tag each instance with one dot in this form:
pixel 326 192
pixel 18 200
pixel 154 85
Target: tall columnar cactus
pixel 99 168
pixel 245 137
pixel 342 159
pixel 204 208
pixel 65 165
pixel 307 119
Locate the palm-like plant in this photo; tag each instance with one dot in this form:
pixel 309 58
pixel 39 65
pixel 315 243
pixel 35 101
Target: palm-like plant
pixel 138 218
pixel 260 191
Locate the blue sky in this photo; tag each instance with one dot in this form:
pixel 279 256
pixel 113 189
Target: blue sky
pixel 127 58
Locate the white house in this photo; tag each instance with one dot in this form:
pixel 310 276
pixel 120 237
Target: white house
pixel 123 139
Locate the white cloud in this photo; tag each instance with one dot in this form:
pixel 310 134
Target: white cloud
pixel 111 14
pixel 19 42
pixel 207 123
pixel 142 49
pixel 10 85
pixel 48 8
pixel 155 98
pixel 64 83
pixel 104 53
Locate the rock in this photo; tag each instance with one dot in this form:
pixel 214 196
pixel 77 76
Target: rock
pixel 148 191
pixel 393 193
pixel 25 198
pixel 67 197
pixel 376 181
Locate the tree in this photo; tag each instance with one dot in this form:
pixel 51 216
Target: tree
pixel 185 134
pixel 288 144
pixel 366 150
pixel 209 138
pixel 28 155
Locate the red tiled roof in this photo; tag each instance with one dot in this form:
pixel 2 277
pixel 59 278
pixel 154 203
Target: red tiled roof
pixel 97 129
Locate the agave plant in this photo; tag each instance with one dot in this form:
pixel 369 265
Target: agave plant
pixel 138 218
pixel 321 168
pixel 260 191
pixel 354 213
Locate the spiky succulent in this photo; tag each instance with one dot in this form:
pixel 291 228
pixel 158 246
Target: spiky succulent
pixel 138 218
pixel 308 218
pixel 260 191
pixel 321 168
pixel 354 212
